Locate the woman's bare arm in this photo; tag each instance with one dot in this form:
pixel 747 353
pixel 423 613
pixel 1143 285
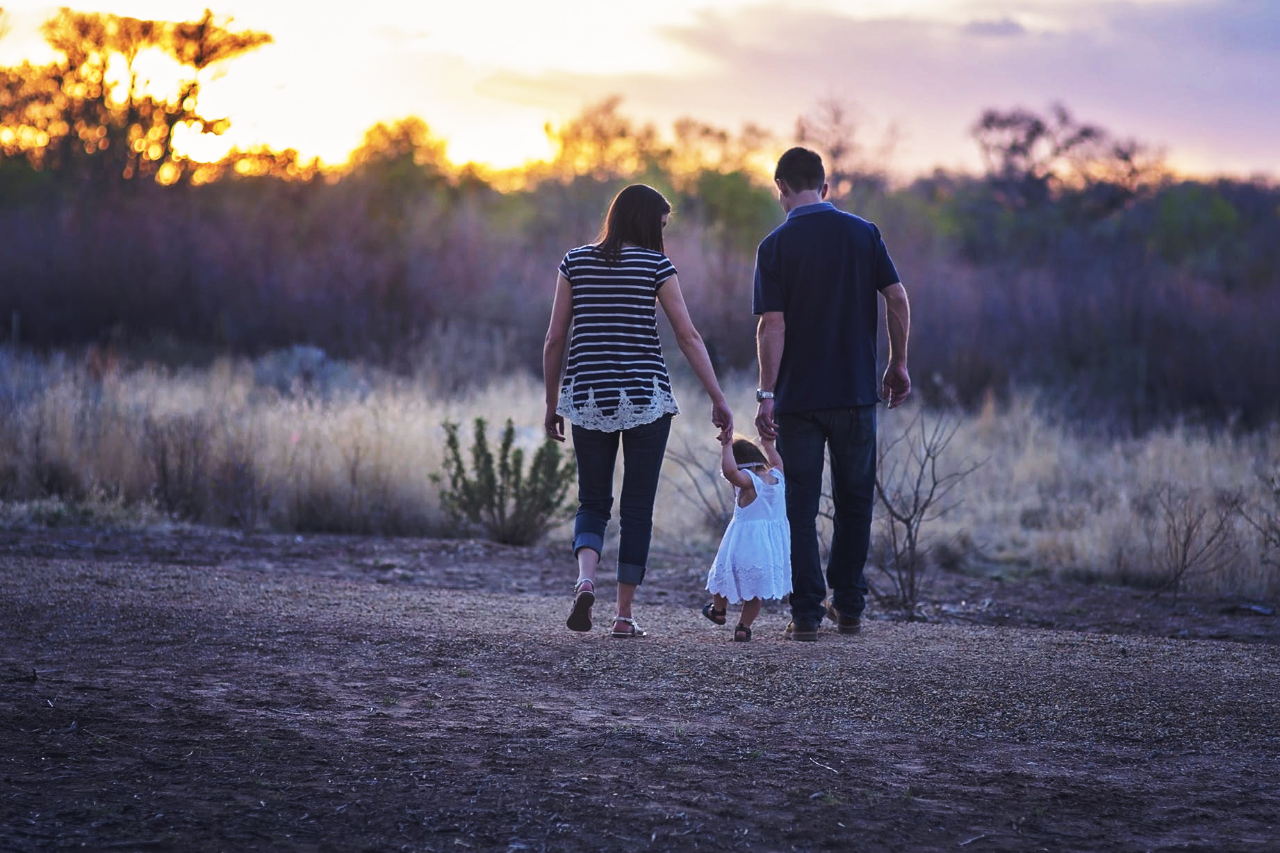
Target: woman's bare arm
pixel 690 342
pixel 553 355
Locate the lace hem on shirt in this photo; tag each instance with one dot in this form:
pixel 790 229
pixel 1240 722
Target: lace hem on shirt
pixel 627 415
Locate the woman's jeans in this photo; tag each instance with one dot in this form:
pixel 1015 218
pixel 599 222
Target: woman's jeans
pixel 643 448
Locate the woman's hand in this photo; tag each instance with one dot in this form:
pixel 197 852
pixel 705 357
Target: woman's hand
pixel 722 418
pixel 554 424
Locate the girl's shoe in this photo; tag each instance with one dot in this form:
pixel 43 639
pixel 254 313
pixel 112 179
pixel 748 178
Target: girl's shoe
pixel 741 634
pixel 717 616
pixel 636 630
pixel 580 617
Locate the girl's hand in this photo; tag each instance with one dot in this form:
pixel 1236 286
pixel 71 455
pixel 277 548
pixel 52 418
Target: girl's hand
pixel 554 424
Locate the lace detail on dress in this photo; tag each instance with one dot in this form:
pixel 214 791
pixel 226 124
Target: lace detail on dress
pixel 589 415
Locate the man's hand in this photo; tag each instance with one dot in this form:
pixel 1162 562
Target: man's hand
pixel 722 419
pixel 765 424
pixel 554 424
pixel 896 386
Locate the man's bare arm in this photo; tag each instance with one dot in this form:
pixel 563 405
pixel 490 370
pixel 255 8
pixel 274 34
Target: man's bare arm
pixel 770 338
pixel 897 381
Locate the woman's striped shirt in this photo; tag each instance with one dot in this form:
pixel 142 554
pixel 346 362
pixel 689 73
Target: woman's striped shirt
pixel 616 377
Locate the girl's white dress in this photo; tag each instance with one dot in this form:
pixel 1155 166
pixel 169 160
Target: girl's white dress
pixel 754 560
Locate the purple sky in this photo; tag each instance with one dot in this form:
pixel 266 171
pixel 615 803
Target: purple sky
pixel 1198 78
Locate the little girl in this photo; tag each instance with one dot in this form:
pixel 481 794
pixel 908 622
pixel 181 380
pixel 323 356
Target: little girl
pixel 754 560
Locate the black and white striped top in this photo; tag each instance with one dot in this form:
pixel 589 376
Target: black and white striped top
pixel 616 378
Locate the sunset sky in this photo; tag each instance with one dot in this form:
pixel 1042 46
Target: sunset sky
pixel 1196 77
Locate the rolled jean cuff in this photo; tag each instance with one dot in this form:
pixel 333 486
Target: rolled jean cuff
pixel 630 573
pixel 594 541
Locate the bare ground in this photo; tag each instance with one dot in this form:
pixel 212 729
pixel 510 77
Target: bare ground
pixel 203 691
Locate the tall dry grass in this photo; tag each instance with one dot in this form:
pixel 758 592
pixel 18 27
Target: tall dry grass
pixel 336 448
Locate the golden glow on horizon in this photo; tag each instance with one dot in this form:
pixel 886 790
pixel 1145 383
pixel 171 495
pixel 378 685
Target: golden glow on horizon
pixel 487 75
pixel 466 57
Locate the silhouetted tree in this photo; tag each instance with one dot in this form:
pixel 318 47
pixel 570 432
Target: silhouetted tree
pixel 79 117
pixel 604 145
pixel 700 147
pixel 831 128
pixel 1032 159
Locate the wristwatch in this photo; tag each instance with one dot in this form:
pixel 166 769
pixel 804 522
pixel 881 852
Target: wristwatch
pixel 763 395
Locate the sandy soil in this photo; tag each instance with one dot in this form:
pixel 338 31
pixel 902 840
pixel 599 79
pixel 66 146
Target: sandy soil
pixel 203 691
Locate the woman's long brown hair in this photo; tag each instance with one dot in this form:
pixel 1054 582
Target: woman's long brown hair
pixel 635 217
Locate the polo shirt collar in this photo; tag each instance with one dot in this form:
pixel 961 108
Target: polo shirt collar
pixel 806 209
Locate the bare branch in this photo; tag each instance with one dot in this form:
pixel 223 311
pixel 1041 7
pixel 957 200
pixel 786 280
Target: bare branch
pixel 708 495
pixel 912 488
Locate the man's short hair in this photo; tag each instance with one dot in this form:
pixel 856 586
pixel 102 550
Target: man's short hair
pixel 800 169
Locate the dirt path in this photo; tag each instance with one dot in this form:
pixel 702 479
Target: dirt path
pixel 269 699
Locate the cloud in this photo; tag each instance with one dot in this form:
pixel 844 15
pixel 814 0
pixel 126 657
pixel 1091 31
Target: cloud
pixel 1194 77
pixel 1003 27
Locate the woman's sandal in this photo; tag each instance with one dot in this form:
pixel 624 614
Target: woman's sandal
pixel 636 630
pixel 580 617
pixel 741 634
pixel 717 616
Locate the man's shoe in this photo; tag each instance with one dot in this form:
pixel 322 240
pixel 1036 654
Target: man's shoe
pixel 802 633
pixel 844 624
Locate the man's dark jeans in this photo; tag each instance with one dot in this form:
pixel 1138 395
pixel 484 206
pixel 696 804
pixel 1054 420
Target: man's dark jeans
pixel 850 436
pixel 643 448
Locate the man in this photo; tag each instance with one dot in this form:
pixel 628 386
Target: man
pixel 817 276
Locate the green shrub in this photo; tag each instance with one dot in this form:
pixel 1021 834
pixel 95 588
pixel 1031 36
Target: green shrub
pixel 496 497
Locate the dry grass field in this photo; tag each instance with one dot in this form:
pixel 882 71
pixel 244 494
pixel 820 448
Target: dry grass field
pixel 299 443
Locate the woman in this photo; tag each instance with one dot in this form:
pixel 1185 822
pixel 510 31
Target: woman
pixel 615 386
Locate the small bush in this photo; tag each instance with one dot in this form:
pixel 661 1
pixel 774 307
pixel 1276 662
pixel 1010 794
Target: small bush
pixel 497 497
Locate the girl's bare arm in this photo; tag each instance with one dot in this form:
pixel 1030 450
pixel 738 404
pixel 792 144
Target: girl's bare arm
pixel 729 467
pixel 771 452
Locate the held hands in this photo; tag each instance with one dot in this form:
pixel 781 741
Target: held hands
pixel 722 419
pixel 896 386
pixel 554 424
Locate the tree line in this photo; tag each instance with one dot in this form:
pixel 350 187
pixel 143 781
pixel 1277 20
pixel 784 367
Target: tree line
pixel 1074 262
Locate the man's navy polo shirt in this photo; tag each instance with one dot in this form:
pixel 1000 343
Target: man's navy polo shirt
pixel 822 269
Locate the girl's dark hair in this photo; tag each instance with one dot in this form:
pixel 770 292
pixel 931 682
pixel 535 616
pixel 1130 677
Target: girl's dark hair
pixel 745 452
pixel 635 216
